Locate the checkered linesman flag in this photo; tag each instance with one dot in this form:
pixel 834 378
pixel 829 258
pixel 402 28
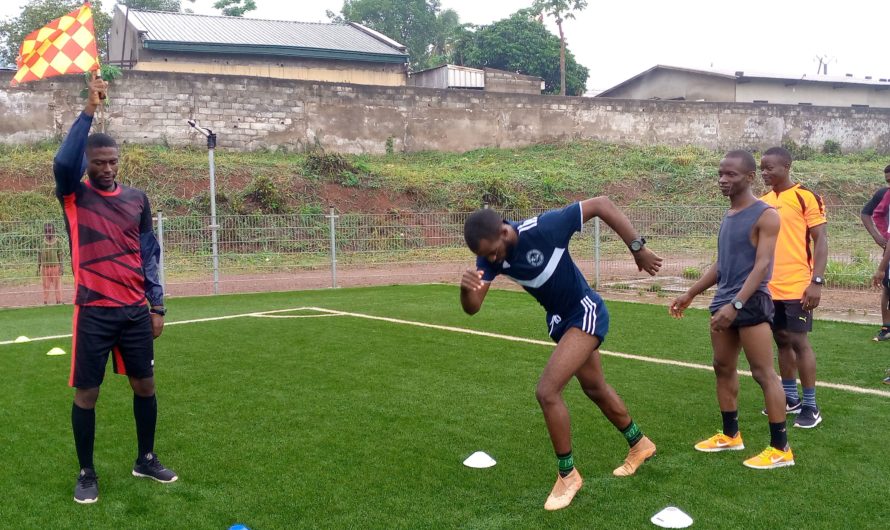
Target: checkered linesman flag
pixel 67 45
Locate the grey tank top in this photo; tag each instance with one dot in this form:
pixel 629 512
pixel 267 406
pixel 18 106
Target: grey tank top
pixel 736 254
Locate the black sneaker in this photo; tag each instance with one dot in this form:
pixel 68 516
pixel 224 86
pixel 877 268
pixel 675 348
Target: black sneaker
pixel 86 491
pixel 808 418
pixel 151 467
pixel 887 380
pixel 883 334
pixel 791 407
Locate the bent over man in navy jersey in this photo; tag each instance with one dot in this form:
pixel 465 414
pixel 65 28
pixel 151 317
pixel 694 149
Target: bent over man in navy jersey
pixel 534 254
pixel 119 302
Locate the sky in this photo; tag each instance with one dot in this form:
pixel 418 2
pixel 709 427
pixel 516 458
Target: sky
pixel 617 40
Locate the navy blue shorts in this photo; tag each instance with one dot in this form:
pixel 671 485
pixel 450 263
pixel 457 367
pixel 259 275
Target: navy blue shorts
pixel 123 332
pixel 591 317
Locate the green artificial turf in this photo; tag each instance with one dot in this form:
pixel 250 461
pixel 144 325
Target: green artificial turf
pixel 344 422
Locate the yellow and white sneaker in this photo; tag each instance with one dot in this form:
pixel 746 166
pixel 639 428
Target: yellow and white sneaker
pixel 721 442
pixel 771 458
pixel 564 491
pixel 639 453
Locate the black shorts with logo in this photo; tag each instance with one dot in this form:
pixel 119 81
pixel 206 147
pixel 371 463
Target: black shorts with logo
pixel 791 316
pixel 757 310
pixel 123 332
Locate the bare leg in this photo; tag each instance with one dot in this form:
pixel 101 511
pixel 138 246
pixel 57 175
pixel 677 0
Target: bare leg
pixel 573 350
pixel 726 346
pixel 805 358
pixel 594 384
pixel 787 359
pixel 757 344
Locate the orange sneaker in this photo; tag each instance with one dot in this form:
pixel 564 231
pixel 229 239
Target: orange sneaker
pixel 721 442
pixel 564 491
pixel 771 458
pixel 639 453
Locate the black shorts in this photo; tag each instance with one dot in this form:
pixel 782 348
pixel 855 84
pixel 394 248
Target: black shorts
pixel 125 332
pixel 757 310
pixel 791 316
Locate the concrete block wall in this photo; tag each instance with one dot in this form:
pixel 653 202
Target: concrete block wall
pixel 250 113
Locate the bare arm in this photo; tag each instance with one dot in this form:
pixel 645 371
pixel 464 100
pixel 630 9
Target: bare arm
pixel 472 291
pixel 680 304
pixel 812 295
pixel 606 210
pixel 878 277
pixel 869 225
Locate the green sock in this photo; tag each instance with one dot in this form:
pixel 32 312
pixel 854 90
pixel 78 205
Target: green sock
pixel 632 433
pixel 566 464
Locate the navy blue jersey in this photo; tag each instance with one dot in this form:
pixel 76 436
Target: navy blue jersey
pixel 540 261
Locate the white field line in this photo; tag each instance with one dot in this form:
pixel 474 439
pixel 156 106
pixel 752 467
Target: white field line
pixel 327 315
pixel 176 323
pixel 332 312
pixel 654 360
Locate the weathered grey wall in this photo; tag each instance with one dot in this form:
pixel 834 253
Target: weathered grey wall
pixel 251 113
pixel 501 81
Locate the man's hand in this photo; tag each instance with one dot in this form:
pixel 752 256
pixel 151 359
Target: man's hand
pixel 647 261
pixel 471 280
pixel 723 318
pixel 877 280
pixel 97 91
pixel 812 295
pixel 679 305
pixel 157 325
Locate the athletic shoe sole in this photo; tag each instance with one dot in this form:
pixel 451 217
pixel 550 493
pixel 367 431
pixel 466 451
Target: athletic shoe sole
pixel 85 501
pixel 140 475
pixel 721 449
pixel 817 422
pixel 771 466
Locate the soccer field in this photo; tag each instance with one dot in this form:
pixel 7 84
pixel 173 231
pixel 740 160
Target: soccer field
pixel 347 413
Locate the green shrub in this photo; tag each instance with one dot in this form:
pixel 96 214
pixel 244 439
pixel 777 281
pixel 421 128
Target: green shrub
pixel 798 152
pixel 831 147
pixel 691 273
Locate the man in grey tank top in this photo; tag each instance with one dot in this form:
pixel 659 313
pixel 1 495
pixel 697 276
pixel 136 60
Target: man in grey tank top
pixel 742 311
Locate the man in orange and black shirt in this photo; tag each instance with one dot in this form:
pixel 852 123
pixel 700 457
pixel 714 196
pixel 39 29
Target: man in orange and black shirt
pixel 119 299
pixel 798 277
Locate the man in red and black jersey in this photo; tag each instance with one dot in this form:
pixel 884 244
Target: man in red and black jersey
pixel 119 301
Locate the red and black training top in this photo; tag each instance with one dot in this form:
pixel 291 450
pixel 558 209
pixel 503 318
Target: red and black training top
pixel 114 253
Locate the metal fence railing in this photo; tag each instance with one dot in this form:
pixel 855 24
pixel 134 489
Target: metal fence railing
pixel 324 249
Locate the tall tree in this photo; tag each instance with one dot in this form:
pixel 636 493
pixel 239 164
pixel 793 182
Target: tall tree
pixel 234 8
pixel 520 44
pixel 418 24
pixel 36 14
pixel 560 10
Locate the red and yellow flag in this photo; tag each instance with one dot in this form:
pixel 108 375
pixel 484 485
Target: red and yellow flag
pixel 67 45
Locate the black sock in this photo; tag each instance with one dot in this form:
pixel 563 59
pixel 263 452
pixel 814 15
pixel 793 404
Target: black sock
pixel 730 422
pixel 565 464
pixel 145 410
pixel 83 423
pixel 778 435
pixel 632 433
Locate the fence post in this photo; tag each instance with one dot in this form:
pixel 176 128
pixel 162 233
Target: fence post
pixel 596 252
pixel 333 217
pixel 161 246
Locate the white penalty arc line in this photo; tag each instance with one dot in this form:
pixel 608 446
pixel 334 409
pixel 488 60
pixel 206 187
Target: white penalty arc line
pixel 467 331
pixel 643 358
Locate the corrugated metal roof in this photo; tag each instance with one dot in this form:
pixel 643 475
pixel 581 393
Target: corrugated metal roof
pixel 738 76
pixel 237 31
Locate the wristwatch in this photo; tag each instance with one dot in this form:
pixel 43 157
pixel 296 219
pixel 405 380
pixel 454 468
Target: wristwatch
pixel 737 304
pixel 637 244
pixel 818 280
pixel 158 310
